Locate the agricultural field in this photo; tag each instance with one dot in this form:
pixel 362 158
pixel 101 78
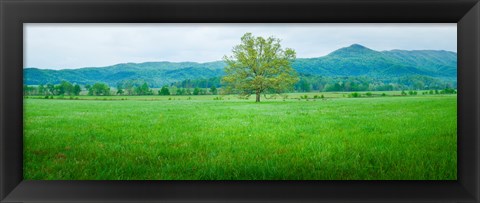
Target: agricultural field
pixel 214 137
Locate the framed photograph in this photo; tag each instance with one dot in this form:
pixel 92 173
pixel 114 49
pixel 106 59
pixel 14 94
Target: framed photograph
pixel 278 101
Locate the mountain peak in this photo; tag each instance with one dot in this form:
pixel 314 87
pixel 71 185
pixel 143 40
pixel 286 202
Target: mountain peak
pixel 352 50
pixel 357 46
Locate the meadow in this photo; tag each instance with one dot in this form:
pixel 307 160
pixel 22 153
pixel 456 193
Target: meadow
pixel 215 137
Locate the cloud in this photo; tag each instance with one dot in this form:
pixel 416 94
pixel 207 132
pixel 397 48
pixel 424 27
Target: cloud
pixel 61 46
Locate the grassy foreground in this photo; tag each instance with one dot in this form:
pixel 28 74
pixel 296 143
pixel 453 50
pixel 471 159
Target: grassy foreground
pixel 377 138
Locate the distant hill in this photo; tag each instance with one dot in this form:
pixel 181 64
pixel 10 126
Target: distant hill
pixel 155 74
pixel 355 60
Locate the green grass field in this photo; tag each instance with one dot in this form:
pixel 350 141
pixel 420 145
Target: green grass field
pixel 197 137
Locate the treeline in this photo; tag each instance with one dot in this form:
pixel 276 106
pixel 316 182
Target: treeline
pixel 64 88
pixel 138 87
pixel 213 86
pixel 98 89
pixel 173 90
pixel 403 93
pixel 199 83
pixel 309 83
pixel 133 87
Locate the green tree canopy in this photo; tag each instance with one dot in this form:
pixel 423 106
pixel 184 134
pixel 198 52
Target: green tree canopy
pixel 258 65
pixel 76 89
pixel 99 89
pixel 164 91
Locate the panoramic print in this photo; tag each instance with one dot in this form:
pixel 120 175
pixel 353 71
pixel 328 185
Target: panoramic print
pixel 240 101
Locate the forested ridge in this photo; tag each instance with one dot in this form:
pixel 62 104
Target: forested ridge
pixel 353 68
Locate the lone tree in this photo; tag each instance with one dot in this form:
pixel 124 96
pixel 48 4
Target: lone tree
pixel 258 65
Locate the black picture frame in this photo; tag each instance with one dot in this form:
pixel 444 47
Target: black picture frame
pixel 466 13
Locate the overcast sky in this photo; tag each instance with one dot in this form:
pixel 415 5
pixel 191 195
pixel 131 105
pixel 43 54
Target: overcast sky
pixel 64 46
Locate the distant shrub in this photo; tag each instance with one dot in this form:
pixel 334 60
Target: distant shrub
pixel 218 98
pixel 51 96
pixel 403 93
pixel 169 98
pixel 369 94
pixel 412 92
pixel 383 94
pixel 315 96
pixel 354 94
pixel 321 96
pixel 430 92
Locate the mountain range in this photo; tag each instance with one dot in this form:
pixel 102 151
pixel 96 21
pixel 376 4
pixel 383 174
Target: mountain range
pixel 354 60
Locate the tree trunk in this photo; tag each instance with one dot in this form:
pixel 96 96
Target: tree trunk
pixel 258 97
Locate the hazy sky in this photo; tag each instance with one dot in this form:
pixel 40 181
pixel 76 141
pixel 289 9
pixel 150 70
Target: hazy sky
pixel 62 46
